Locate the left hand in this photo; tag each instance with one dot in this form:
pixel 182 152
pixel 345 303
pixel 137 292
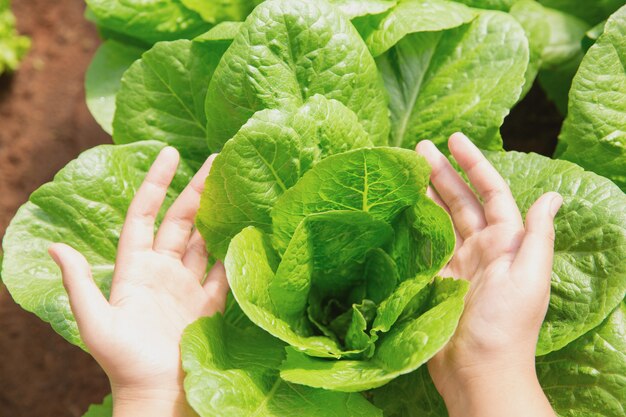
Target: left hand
pixel 158 288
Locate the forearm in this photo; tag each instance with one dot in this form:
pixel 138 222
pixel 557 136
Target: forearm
pixel 130 403
pixel 511 394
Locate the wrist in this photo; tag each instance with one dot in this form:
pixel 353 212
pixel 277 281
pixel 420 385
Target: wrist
pixel 140 401
pixel 495 389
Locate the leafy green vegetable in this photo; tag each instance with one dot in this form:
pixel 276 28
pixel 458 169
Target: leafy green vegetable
pixel 593 12
pixel 101 410
pixel 223 10
pixel 589 275
pixel 503 5
pixel 162 97
pixel 12 46
pixel 381 32
pixel 554 37
pixel 428 99
pixel 150 21
pixel 103 79
pixel 588 376
pixel 355 8
pixel 233 371
pixel 84 206
pixel 285 53
pixel 594 132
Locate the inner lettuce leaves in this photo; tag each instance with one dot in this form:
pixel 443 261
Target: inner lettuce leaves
pixel 589 272
pixel 84 206
pixel 321 276
pixel 594 132
pixel 232 370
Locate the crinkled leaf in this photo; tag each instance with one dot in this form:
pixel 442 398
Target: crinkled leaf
pixel 355 8
pixel 162 97
pixel 150 21
pixel 379 181
pixel 594 132
pixel 589 272
pixel 232 371
pixel 588 376
pixel 383 31
pixel 104 77
pixel 222 32
pixel 286 52
pixel 223 10
pixel 101 410
pixel 264 159
pixel 84 206
pixel 428 98
pixel 403 349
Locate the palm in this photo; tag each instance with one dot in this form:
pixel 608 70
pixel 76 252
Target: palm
pixel 158 286
pixel 508 265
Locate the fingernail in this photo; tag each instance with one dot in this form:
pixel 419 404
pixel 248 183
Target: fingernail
pixel 555 204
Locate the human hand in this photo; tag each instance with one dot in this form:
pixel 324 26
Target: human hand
pixel 157 290
pixel 509 267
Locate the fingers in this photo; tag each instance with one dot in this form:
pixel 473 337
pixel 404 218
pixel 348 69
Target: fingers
pixel 216 286
pixel 465 209
pixel 499 205
pixel 138 230
pixel 175 230
pixel 537 249
pixel 196 256
pixel 432 194
pixel 87 302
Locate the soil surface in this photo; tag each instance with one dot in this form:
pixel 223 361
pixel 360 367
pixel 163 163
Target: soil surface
pixel 44 123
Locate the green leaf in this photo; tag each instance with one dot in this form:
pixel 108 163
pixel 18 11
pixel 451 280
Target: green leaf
pixel 418 248
pixel 381 32
pixel 223 10
pixel 12 46
pixel 503 5
pixel 428 98
pixel 594 132
pixel 557 82
pixel 355 8
pixel 589 275
pixel 593 12
pixel 149 21
pixel 84 206
pixel 264 159
pixel 378 181
pixel 411 395
pixel 251 265
pixel 554 37
pixel 224 32
pixel 101 410
pixel 403 349
pixel 232 371
pixel 104 78
pixel 162 97
pixel 286 52
pixel 588 376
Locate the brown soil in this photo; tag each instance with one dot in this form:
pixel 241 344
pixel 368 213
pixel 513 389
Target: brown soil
pixel 44 123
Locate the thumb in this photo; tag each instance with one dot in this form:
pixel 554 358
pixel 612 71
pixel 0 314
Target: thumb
pixel 86 300
pixel 536 252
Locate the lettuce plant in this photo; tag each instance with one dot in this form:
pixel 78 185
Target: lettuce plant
pixel 12 46
pixel 320 215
